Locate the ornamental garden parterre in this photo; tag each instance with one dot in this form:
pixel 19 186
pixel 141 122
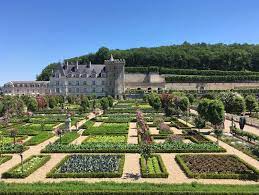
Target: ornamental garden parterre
pixel 157 140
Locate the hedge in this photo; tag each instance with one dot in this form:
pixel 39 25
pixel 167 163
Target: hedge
pixel 189 173
pixel 144 172
pixel 53 173
pixel 37 139
pixel 239 132
pixel 210 79
pixel 9 173
pixel 67 138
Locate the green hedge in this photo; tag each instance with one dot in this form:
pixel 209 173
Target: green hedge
pixel 239 132
pixel 132 188
pixel 189 173
pixel 26 173
pixel 144 168
pixel 53 173
pixel 210 79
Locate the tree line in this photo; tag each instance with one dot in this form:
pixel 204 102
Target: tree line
pixel 204 56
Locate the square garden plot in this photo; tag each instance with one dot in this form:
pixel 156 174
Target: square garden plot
pixel 216 167
pixel 83 166
pixel 106 139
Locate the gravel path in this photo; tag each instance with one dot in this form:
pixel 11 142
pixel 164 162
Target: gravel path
pixel 79 140
pixel 132 134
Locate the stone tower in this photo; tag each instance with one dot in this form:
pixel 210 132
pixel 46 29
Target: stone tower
pixel 115 77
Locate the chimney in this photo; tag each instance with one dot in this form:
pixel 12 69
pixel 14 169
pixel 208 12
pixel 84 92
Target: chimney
pixel 77 64
pixel 90 63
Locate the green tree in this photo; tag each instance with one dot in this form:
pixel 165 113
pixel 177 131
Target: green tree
pixel 104 103
pixel 215 113
pixel 145 151
pixel 251 103
pixel 156 103
pixel 218 133
pixel 199 122
pixel 52 102
pixel 85 104
pixel 238 104
pixel 1 108
pixel 32 104
pixel 202 108
pixel 13 133
pixel 110 99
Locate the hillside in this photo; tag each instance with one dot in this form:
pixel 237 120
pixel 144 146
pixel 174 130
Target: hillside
pixel 234 57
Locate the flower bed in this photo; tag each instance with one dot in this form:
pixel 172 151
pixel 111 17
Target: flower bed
pixel 37 139
pixel 82 166
pixel 3 159
pixel 216 167
pixel 105 139
pixel 29 166
pixel 154 168
pixel 108 128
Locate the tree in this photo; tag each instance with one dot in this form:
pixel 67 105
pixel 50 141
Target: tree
pixel 32 104
pixel 52 102
pixel 202 108
pixel 85 104
pixel 145 151
pixel 110 100
pixel 104 103
pixel 239 105
pixel 215 113
pixel 59 133
pixel 13 133
pixel 218 133
pixel 1 108
pixel 199 122
pixel 251 103
pixel 41 101
pixel 156 103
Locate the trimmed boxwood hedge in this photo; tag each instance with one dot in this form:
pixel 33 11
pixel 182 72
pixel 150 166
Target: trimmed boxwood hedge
pixel 9 173
pixel 53 173
pixel 143 168
pixel 189 173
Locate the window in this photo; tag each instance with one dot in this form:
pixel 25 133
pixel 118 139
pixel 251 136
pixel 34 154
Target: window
pixel 57 83
pixel 77 83
pixel 102 90
pixel 69 83
pixel 77 90
pixel 93 90
pixel 93 82
pixel 57 90
pixel 85 83
pixel 103 83
pixel 69 90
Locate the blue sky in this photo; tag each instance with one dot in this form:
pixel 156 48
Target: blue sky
pixel 34 33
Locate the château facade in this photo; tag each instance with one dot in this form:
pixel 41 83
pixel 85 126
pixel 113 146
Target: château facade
pixel 76 79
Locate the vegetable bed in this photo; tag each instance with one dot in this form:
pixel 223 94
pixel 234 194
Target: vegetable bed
pixel 216 167
pixel 83 166
pixel 37 139
pixel 154 168
pixel 67 138
pixel 106 139
pixel 3 159
pixel 29 166
pixel 108 128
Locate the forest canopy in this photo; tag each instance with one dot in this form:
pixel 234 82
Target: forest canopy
pixel 233 57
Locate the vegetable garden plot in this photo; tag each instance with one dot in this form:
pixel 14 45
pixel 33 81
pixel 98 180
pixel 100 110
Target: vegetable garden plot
pixel 81 166
pixel 216 166
pixel 3 159
pixel 153 168
pixel 108 128
pixel 106 139
pixel 29 166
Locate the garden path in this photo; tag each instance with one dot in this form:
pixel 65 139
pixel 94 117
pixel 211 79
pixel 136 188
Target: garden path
pixel 132 134
pixel 153 131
